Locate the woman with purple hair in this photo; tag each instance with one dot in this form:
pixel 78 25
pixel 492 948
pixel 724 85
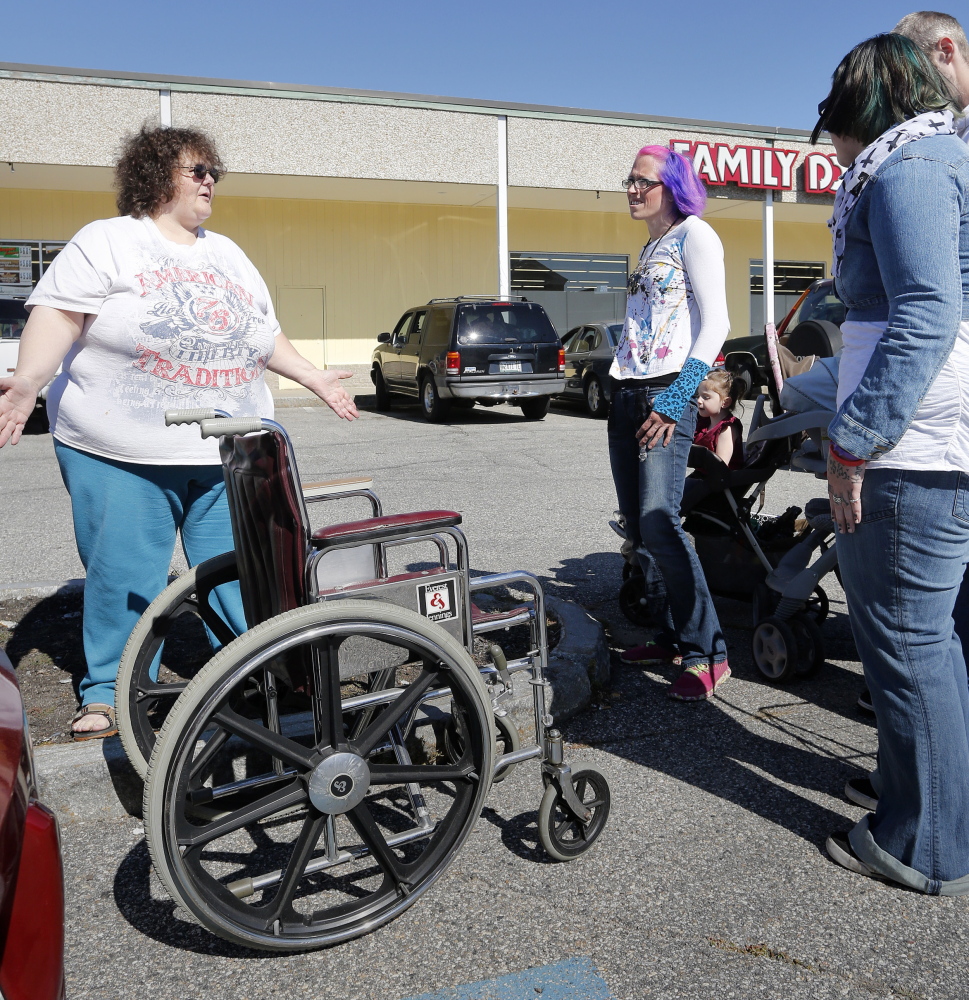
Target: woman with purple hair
pixel 676 323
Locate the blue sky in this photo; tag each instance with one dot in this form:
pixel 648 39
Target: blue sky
pixel 753 62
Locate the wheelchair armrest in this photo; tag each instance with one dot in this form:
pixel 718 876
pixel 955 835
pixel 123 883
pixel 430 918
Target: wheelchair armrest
pixel 379 529
pixel 334 487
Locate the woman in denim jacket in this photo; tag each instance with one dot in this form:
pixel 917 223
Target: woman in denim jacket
pixel 898 469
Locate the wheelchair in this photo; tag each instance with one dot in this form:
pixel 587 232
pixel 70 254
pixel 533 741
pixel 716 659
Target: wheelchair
pixel 323 768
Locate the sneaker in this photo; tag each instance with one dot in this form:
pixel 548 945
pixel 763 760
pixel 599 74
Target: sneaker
pixel 842 853
pixel 864 702
pixel 862 793
pixel 655 654
pixel 698 682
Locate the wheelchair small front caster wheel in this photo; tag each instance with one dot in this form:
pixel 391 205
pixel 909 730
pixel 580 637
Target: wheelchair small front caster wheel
pixel 563 835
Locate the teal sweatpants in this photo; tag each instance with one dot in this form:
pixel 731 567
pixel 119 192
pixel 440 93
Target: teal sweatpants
pixel 125 521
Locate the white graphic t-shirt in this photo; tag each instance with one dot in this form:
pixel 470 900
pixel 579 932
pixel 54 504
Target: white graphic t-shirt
pixel 167 327
pixel 677 303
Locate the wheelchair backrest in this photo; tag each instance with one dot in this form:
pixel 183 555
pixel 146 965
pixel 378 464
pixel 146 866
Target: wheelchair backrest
pixel 270 525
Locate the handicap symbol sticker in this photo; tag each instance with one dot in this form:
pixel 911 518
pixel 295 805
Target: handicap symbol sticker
pixel 437 600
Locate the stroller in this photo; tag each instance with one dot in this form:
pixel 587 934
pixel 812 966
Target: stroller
pixel 775 563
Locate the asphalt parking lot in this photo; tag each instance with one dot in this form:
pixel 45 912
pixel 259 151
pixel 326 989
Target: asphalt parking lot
pixel 710 880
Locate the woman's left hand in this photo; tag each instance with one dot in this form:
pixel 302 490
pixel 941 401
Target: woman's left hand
pixel 656 428
pixel 844 493
pixel 326 385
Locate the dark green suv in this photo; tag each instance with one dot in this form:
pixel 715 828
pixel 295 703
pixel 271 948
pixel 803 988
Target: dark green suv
pixel 471 350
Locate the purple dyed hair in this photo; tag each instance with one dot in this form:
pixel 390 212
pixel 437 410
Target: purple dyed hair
pixel 680 178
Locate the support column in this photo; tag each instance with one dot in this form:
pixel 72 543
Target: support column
pixel 504 264
pixel 768 257
pixel 165 108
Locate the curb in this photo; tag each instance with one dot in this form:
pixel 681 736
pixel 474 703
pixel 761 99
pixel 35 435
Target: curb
pixel 85 782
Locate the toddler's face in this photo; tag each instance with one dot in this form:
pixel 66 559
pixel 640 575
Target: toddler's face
pixel 709 402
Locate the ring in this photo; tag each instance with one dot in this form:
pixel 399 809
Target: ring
pixel 836 499
pixel 855 501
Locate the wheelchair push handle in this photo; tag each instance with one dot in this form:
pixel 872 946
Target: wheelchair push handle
pixel 188 416
pixel 234 425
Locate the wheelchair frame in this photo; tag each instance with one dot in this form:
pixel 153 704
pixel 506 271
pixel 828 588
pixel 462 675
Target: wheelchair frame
pixel 344 563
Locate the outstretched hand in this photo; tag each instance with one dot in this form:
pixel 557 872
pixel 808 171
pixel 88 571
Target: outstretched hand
pixel 326 385
pixel 18 397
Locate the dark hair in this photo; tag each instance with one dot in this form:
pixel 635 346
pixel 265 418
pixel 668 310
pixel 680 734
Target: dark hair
pixel 145 171
pixel 882 82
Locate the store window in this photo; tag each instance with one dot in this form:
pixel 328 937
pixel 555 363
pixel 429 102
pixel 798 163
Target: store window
pixel 791 278
pixel 569 272
pixel 573 288
pixel 22 262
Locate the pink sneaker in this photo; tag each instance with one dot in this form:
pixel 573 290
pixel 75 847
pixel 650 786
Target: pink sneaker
pixel 698 682
pixel 653 654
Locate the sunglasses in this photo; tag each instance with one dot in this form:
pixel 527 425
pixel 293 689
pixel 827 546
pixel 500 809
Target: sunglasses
pixel 639 183
pixel 823 106
pixel 200 170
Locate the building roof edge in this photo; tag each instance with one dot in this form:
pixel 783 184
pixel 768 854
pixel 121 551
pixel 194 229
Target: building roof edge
pixel 293 91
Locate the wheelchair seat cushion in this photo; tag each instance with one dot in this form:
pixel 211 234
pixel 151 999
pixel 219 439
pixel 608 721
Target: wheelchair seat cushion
pixel 375 529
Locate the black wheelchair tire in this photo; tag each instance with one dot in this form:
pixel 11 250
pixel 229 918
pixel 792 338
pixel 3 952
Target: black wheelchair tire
pixel 136 693
pixel 563 836
pixel 181 764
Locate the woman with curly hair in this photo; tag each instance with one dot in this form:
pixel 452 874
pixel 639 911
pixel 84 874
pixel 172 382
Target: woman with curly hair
pixel 676 323
pixel 148 312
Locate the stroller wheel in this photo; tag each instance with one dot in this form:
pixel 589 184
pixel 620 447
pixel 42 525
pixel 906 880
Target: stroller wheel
pixel 634 603
pixel 775 650
pixel 810 644
pixel 818 606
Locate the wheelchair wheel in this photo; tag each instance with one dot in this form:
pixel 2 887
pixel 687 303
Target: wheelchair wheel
pixel 563 835
pixel 508 740
pixel 305 833
pixel 142 702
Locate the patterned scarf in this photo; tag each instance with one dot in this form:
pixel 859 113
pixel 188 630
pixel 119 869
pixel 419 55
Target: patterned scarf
pixel 868 161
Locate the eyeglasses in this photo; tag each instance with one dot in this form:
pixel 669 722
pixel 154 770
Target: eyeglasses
pixel 823 106
pixel 639 183
pixel 201 169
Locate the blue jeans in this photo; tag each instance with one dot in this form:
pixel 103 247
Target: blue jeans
pixel 902 570
pixel 125 520
pixel 649 486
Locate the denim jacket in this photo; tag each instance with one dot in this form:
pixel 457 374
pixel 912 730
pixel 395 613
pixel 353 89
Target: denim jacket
pixel 906 262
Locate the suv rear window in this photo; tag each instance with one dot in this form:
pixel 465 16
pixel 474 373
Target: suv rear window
pixel 512 323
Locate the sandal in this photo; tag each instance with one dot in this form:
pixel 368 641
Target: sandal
pixel 94 734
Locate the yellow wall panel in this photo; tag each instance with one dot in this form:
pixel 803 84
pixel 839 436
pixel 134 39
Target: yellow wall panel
pixel 374 260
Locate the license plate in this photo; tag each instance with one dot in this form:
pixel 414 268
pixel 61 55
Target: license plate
pixel 509 366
